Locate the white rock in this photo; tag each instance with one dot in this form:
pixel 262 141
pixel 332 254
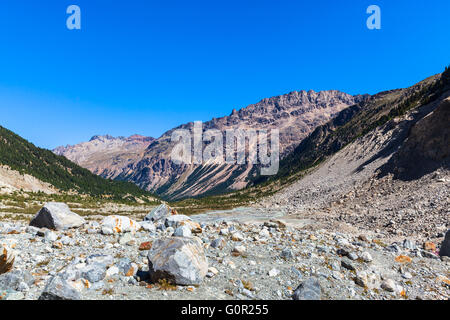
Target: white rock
pixel 56 216
pixel 183 231
pixel 274 272
pixel 119 224
pixel 239 249
pixel 112 271
pixel 366 257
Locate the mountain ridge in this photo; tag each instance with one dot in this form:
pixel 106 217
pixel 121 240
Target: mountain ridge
pixel 295 114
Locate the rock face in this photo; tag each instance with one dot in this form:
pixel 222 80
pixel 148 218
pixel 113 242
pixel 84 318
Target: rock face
pixel 57 216
pixel 308 290
pixel 119 224
pixel 149 165
pixel 427 143
pixel 179 260
pixel 7 258
pixel 445 247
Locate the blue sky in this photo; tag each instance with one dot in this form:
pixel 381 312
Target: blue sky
pixel 142 66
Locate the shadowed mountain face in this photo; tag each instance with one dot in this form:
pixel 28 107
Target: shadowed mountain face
pixel 148 163
pixel 426 148
pixel 360 119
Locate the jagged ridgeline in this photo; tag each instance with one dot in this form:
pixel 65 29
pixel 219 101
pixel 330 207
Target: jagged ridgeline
pixel 356 121
pixel 24 157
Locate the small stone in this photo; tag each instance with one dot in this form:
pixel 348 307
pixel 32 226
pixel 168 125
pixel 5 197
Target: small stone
pixel 347 264
pixel 57 245
pixel 389 285
pixel 264 233
pixel 112 271
pixel 429 246
pixel 218 243
pixel 366 257
pixel 239 250
pixel 126 238
pixel 50 236
pixel 182 231
pixel 287 254
pixel 308 290
pixel 408 244
pixel 352 256
pixel 237 236
pixel 107 231
pixel 407 275
pixel 273 272
pixel 145 246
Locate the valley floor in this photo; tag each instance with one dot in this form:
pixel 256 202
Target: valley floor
pixel 258 258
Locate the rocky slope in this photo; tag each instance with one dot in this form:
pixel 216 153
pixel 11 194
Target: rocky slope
pixel 12 181
pixel 295 114
pixel 394 178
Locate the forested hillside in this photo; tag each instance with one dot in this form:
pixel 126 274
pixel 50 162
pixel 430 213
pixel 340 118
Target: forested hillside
pixel 21 155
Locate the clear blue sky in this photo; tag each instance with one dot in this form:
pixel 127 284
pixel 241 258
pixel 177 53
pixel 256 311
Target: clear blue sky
pixel 143 66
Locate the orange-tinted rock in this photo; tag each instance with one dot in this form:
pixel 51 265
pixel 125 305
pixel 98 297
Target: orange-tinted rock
pixel 145 246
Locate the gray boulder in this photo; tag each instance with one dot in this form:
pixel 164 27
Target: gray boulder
pixel 148 226
pixel 158 213
pixel 59 289
pixel 182 231
pixel 175 221
pixel 308 290
pixel 56 216
pixel 181 261
pixel 445 246
pixel 15 279
pixel 94 272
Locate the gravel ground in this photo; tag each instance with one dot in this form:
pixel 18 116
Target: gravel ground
pixel 258 260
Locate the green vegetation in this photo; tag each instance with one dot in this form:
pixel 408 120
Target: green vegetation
pixel 22 156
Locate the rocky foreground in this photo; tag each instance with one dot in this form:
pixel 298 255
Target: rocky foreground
pixel 59 255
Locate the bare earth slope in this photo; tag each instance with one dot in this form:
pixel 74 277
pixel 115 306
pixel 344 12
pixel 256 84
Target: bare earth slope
pixel 12 180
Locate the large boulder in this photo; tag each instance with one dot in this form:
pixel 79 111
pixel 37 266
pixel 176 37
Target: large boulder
pixel 119 224
pixel 445 246
pixel 56 216
pixel 16 280
pixel 159 213
pixel 182 220
pixel 60 289
pixel 180 261
pixel 7 257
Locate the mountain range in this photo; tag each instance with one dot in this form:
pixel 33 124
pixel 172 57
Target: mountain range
pixel 147 162
pixel 313 126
